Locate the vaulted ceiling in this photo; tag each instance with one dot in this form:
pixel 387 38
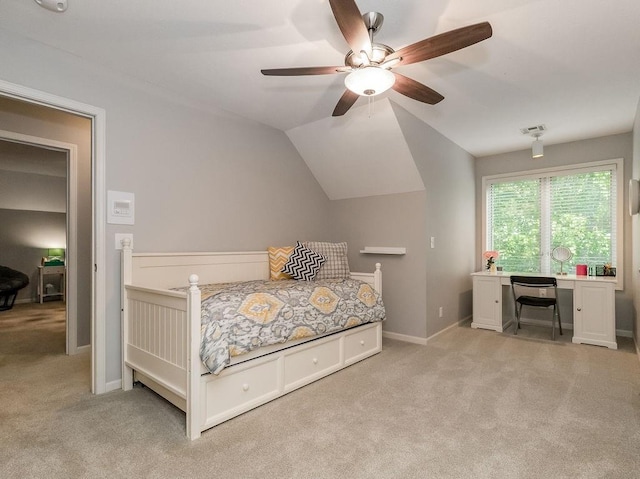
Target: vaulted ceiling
pixel 573 65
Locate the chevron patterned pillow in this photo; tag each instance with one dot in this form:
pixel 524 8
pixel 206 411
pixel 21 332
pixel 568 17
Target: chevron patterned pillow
pixel 303 264
pixel 278 256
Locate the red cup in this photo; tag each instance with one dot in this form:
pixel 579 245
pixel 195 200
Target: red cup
pixel 581 269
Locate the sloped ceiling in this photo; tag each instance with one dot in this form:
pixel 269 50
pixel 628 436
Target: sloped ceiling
pixel 573 65
pixel 362 154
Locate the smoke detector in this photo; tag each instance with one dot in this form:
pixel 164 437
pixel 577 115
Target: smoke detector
pixel 58 6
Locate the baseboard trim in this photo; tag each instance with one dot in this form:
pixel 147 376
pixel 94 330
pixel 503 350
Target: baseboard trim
pixel 624 333
pixel 422 341
pixel 83 349
pixel 113 385
pixel 405 337
pixel 457 324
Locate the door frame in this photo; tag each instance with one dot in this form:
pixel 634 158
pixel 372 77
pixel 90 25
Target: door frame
pixel 71 263
pixel 98 154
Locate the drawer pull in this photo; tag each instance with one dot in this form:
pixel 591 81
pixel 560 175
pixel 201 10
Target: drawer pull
pixel 579 309
pixel 362 342
pixel 315 360
pixel 245 387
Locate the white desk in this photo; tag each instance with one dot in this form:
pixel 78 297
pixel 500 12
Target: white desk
pixel 594 315
pixel 47 270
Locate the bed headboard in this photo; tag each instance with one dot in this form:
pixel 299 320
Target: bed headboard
pixel 172 270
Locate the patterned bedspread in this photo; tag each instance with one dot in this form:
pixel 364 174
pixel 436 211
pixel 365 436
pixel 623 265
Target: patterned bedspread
pixel 240 317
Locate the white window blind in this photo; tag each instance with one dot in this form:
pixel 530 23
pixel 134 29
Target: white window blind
pixel 527 217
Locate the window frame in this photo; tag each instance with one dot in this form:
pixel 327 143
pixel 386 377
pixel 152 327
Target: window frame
pixel 616 164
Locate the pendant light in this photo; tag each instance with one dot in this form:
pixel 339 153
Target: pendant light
pixel 537 148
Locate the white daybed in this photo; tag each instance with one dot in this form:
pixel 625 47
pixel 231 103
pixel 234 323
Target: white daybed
pixel 161 338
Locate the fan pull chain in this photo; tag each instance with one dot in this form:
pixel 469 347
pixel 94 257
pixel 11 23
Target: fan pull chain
pixel 370 99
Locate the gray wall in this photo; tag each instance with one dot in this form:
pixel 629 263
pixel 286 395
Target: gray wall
pixel 28 119
pixel 203 179
pixel 448 175
pixel 32 210
pixel 416 285
pixel 596 149
pixel 390 220
pixel 21 247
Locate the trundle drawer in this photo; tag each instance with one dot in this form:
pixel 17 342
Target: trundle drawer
pixel 239 389
pixel 361 344
pixel 309 364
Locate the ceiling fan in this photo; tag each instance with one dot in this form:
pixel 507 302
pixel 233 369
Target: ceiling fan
pixel 369 64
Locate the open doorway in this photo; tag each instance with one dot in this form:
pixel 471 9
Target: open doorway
pixel 48 175
pixel 38 177
pixel 97 286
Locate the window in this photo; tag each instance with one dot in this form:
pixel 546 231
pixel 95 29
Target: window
pixel 529 214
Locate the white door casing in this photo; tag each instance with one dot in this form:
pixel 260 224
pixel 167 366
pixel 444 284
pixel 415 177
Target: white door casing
pixel 98 123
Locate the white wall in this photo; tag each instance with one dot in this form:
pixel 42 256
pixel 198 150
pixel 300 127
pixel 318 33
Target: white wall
pixel 596 149
pixel 203 179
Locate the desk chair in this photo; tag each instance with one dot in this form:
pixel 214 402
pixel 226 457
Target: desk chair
pixel 540 292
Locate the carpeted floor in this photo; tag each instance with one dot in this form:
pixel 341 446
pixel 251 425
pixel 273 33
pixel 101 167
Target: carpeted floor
pixel 471 404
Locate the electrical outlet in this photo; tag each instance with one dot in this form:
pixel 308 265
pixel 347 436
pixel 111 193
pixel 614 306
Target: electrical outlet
pixel 440 311
pixel 542 292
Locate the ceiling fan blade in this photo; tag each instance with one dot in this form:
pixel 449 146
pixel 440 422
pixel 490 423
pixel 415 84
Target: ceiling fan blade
pixel 442 44
pixel 346 101
pixel 416 90
pixel 351 25
pixel 304 71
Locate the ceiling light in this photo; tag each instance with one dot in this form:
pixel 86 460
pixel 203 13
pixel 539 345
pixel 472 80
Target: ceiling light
pixel 53 5
pixel 369 81
pixel 537 148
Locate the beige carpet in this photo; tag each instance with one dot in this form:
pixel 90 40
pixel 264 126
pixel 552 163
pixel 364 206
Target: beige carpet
pixel 471 404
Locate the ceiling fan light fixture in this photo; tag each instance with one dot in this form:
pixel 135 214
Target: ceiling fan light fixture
pixel 370 81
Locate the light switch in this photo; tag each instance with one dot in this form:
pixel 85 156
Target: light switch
pixel 433 242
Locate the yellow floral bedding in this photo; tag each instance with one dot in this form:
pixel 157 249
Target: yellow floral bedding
pixel 240 317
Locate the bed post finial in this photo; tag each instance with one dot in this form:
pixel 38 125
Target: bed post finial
pixel 126 243
pixel 193 282
pixel 377 278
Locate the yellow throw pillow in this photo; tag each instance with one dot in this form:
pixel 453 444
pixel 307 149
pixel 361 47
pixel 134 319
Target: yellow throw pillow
pixel 278 256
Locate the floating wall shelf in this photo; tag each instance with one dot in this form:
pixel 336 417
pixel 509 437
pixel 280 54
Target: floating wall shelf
pixel 383 250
